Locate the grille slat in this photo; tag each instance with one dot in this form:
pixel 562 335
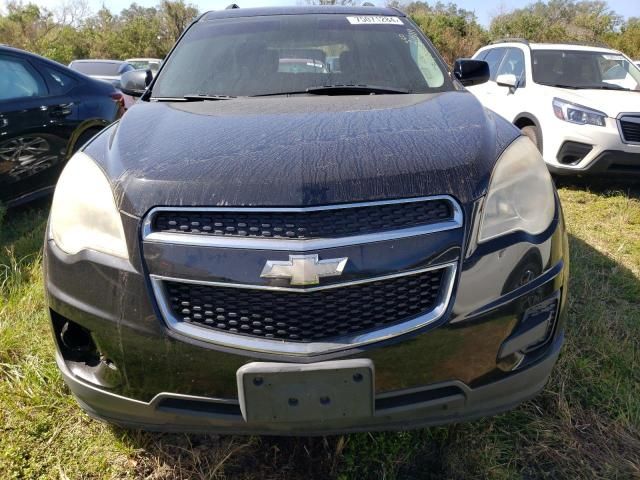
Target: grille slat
pixel 331 223
pixel 630 130
pixel 310 316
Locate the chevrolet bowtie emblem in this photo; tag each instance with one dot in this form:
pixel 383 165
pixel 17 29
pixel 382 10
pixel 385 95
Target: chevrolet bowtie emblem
pixel 304 269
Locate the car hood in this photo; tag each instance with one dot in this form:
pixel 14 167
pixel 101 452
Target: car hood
pixel 301 151
pixel 611 102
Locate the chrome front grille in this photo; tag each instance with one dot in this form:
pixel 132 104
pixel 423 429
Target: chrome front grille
pixel 316 316
pixel 390 219
pixel 362 306
pixel 320 223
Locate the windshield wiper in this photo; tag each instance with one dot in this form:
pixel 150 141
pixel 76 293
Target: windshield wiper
pixel 603 87
pixel 586 87
pixel 558 85
pixel 348 89
pixel 193 97
pixel 342 90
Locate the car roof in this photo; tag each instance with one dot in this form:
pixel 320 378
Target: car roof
pixel 33 56
pixel 576 47
pixel 570 46
pixel 88 60
pixel 299 10
pixel 48 61
pixel 143 59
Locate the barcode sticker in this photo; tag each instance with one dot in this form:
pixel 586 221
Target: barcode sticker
pixel 374 20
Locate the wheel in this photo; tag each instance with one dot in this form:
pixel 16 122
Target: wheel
pixel 533 134
pixel 23 157
pixel 23 149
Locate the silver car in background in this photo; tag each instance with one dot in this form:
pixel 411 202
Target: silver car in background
pixel 106 70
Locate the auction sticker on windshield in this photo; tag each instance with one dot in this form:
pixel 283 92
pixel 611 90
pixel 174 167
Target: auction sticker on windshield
pixel 375 20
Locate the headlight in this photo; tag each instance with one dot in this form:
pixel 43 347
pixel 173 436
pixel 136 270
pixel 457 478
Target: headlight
pixel 570 112
pixel 521 195
pixel 84 215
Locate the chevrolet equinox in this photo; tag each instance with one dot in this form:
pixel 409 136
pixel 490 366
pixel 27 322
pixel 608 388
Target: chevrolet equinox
pixel 305 225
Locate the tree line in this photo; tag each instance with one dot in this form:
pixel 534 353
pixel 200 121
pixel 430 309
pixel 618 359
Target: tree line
pixel 71 31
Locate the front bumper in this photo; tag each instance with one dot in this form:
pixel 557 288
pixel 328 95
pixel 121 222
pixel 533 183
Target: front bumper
pixel 470 363
pixel 601 151
pixel 445 402
pixel 608 162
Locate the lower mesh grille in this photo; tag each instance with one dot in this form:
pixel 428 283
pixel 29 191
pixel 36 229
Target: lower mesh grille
pixel 310 316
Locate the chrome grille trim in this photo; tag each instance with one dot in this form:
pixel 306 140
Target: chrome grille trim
pixel 264 345
pixel 249 286
pixel 279 244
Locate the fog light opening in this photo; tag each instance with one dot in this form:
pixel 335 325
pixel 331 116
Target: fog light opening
pixel 541 314
pixel 75 338
pixel 75 342
pixel 81 354
pixel 534 331
pixel 572 153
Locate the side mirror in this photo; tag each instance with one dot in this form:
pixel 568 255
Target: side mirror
pixel 134 83
pixel 471 72
pixel 507 80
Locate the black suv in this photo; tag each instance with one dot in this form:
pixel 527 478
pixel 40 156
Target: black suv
pixel 47 112
pixel 306 225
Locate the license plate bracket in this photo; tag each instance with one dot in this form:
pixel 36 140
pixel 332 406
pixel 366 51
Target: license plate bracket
pixel 288 392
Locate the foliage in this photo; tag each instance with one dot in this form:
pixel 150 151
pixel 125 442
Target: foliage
pixel 628 40
pixel 559 20
pixel 136 32
pixel 455 32
pixel 71 32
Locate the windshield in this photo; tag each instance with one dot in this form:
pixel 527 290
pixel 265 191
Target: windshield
pixel 269 55
pixel 584 69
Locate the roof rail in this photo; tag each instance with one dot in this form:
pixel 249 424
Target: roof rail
pixel 564 42
pixel 584 44
pixel 232 6
pixel 510 40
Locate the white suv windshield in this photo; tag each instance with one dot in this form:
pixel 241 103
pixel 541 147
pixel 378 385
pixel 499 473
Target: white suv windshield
pixel 267 55
pixel 584 69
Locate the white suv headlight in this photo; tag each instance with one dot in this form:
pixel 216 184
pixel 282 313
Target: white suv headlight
pixel 570 112
pixel 84 215
pixel 521 195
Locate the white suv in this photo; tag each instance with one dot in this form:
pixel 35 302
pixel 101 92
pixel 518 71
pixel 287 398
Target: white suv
pixel 580 105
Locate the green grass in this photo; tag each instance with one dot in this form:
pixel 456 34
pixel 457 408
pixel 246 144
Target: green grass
pixel 586 424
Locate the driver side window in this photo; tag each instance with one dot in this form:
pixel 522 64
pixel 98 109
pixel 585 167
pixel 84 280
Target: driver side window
pixel 513 64
pixel 19 80
pixel 493 58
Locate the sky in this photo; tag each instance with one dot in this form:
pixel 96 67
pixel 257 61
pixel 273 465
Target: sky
pixel 484 9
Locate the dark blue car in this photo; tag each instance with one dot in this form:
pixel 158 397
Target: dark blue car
pixel 353 245
pixel 47 112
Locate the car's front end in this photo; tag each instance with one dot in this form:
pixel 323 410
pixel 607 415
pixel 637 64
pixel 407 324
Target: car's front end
pixel 306 264
pixel 592 124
